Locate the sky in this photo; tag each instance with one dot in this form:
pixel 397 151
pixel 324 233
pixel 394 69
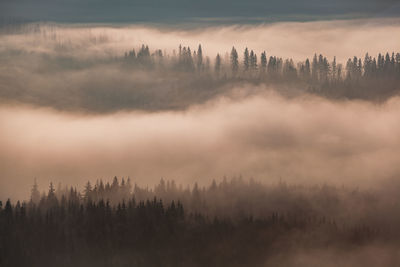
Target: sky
pixel 192 11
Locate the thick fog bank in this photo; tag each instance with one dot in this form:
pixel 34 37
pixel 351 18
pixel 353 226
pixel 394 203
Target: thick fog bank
pixel 303 139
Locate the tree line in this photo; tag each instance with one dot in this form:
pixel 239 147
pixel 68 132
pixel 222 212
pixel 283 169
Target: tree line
pixel 235 222
pixel 369 77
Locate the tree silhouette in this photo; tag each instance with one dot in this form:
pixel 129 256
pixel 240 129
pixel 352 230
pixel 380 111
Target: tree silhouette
pixel 199 58
pixel 217 65
pixel 263 62
pixel 246 59
pixel 192 226
pixel 234 61
pixel 35 194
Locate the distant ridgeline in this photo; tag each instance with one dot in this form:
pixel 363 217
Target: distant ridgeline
pixel 368 78
pixel 230 223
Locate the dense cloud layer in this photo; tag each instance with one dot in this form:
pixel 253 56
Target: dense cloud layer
pixel 268 137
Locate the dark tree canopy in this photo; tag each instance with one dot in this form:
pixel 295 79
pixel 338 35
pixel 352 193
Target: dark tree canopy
pixel 235 223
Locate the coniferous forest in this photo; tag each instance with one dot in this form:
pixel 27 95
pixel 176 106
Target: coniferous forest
pixel 370 78
pixel 278 141
pixel 232 222
pixel 151 79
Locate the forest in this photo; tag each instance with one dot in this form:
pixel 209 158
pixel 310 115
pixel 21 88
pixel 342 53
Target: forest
pixel 373 78
pixel 233 222
pixel 91 79
pixel 278 143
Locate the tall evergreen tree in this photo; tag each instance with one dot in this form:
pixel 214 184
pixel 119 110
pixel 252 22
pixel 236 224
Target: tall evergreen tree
pixel 199 58
pixel 263 61
pixel 334 69
pixel 234 61
pixel 87 191
pixel 253 60
pixel 315 68
pixel 246 59
pixel 307 69
pixel 35 194
pixel 217 65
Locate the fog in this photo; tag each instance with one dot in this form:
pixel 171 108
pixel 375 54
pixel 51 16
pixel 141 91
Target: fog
pixel 304 139
pixel 70 112
pixel 77 104
pixel 298 40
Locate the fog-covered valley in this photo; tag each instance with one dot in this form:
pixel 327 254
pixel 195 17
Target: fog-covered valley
pixel 268 145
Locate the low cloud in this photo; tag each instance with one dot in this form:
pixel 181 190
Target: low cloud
pixel 69 112
pixel 303 139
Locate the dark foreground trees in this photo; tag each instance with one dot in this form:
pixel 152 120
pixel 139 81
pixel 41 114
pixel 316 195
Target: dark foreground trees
pixel 258 223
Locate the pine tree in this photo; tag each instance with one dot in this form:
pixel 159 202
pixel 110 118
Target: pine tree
pixel 189 60
pixel 246 59
pixel 217 65
pixel 307 70
pixel 314 69
pixel 51 196
pixel 234 61
pixel 8 211
pixel 359 68
pixel 367 65
pixel 35 194
pixel 52 191
pixel 339 71
pixel 334 69
pixel 349 69
pixel 199 58
pixel 263 61
pixel 87 191
pixel 253 60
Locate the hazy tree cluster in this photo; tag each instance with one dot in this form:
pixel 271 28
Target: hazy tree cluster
pixel 359 78
pixel 184 60
pixel 233 198
pixel 236 223
pixel 156 80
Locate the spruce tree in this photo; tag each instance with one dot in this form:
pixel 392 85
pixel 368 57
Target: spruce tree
pixel 35 194
pixel 234 61
pixel 217 65
pixel 246 59
pixel 199 58
pixel 263 61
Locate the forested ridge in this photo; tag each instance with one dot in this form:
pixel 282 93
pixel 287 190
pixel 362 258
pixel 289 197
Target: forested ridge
pixel 233 222
pixel 371 77
pixel 64 78
pixel 307 109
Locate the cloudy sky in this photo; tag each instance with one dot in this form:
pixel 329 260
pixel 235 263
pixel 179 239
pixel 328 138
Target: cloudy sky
pixel 177 11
